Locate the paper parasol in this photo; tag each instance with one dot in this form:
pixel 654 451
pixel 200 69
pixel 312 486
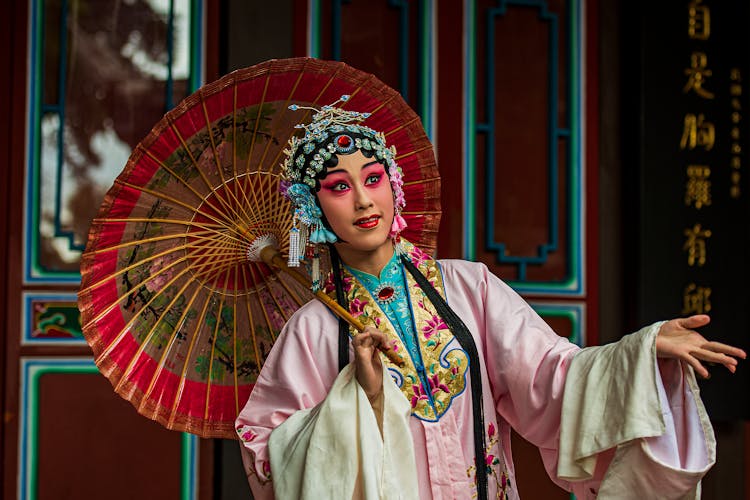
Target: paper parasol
pixel 178 318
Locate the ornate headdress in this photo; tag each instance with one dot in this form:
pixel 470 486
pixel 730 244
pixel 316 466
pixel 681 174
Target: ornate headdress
pixel 332 131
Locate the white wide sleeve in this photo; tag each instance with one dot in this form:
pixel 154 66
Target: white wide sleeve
pixel 619 397
pixel 335 449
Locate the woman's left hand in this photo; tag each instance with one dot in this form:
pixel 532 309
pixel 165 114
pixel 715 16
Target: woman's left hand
pixel 678 339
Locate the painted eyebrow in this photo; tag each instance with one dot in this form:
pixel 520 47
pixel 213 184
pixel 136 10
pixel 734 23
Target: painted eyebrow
pixel 368 164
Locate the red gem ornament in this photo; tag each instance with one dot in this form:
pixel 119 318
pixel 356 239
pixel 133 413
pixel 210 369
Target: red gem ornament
pixel 344 141
pixel 385 293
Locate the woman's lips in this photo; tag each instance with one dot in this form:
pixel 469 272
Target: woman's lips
pixel 368 222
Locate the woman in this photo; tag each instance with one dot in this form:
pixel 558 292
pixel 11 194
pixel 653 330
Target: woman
pixel 473 368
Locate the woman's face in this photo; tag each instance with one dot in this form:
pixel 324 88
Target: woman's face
pixel 357 200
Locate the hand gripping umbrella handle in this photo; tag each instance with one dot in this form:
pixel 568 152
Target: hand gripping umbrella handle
pixel 273 258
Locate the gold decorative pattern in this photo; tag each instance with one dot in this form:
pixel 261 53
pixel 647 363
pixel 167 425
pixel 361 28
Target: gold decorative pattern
pixel 445 362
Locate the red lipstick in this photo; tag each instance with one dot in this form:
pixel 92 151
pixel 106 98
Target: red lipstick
pixel 368 222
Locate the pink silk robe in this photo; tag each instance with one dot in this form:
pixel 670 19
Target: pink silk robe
pixel 524 373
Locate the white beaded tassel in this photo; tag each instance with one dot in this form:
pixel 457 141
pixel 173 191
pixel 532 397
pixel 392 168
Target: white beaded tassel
pixel 315 272
pixel 293 260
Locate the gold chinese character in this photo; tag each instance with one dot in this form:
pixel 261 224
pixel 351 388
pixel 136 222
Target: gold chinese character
pixel 698 187
pixel 735 177
pixel 736 104
pixel 695 244
pixel 736 117
pixel 736 162
pixel 735 89
pixel 699 21
pixel 697 131
pixel 734 191
pixel 736 148
pixel 735 133
pixel 697 74
pixel 696 299
pixel 735 75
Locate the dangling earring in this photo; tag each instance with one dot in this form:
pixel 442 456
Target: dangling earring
pixel 398 225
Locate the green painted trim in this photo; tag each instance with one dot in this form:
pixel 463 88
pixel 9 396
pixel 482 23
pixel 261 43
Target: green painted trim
pixel 195 79
pixel 470 166
pixel 188 467
pixel 573 313
pixel 573 180
pixel 427 83
pixel 314 35
pixel 35 374
pixel 32 370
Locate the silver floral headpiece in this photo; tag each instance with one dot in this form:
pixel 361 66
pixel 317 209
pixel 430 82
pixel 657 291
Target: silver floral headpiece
pixel 332 131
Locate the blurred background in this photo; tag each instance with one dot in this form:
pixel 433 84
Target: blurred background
pixel 593 155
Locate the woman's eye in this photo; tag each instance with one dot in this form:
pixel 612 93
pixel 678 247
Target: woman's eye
pixel 339 186
pixel 372 179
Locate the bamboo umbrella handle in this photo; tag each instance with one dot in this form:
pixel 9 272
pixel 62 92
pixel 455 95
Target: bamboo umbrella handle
pixel 273 258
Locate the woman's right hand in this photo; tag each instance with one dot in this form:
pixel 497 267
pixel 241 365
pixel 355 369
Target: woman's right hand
pixel 369 369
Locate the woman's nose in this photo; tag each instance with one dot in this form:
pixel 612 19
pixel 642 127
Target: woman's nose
pixel 362 199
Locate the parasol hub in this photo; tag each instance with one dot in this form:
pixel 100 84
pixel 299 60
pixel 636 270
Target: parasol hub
pixel 262 244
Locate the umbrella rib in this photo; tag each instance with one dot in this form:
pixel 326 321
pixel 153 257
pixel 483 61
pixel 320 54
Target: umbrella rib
pixel 234 128
pixel 423 148
pixel 307 112
pixel 183 375
pixel 132 320
pixel 100 220
pixel 195 210
pixel 263 307
pixel 383 104
pixel 421 181
pixel 422 212
pixel 250 318
pixel 123 270
pixel 183 181
pixel 289 290
pixel 400 127
pixel 199 235
pixel 284 111
pixel 170 344
pixel 219 167
pixel 257 124
pixel 142 346
pixel 255 196
pixel 142 284
pixel 211 359
pixel 192 158
pixel 234 344
pixel 237 184
pixel 279 202
pixel 202 225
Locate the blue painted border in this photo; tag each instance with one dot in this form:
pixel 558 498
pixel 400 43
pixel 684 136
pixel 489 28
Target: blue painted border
pixel 573 285
pixel 33 273
pixel 31 369
pixel 27 320
pixel 574 311
pixel 426 50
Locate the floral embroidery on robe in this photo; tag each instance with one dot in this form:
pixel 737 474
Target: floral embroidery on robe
pixel 435 366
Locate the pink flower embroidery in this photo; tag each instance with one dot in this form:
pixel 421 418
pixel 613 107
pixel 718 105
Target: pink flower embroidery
pixel 491 430
pixel 419 395
pixel 266 466
pixel 436 385
pixel 357 307
pixel 432 327
pixel 245 433
pixel 418 257
pixel 329 286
